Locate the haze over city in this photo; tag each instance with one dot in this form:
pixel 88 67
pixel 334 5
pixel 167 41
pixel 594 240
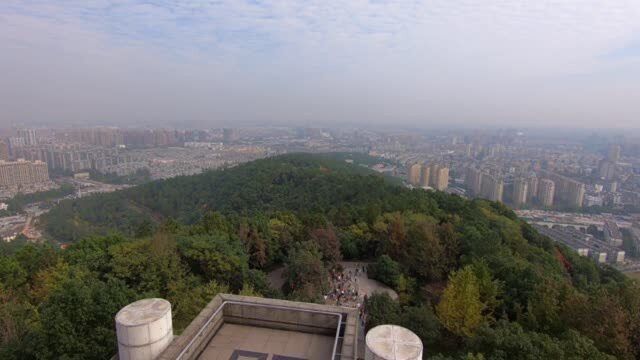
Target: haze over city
pixel 422 64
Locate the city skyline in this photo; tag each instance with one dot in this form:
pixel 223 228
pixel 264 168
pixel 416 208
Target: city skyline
pixel 421 64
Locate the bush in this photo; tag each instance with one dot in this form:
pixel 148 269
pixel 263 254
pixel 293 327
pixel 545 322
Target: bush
pixel 386 271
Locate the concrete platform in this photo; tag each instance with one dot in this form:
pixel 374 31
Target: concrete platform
pixel 241 342
pixel 233 327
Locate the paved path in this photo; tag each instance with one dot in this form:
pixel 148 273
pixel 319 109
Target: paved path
pixel 276 278
pixel 365 285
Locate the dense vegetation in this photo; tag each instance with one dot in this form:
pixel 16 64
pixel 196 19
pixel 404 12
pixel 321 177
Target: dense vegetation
pixel 291 183
pixel 140 176
pixel 474 282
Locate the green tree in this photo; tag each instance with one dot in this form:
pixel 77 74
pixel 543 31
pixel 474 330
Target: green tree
pixel 613 331
pixel 12 275
pixel 16 321
pixel 423 322
pixel 305 272
pixel 490 288
pixel 461 310
pixel 188 298
pixel 386 271
pixel 328 243
pixel 78 319
pixel 508 340
pixel 215 256
pixel 427 256
pixel 254 243
pixel 381 310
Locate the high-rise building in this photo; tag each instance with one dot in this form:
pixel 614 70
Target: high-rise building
pixel 547 192
pixel 532 188
pixel 17 173
pixel 74 157
pixel 473 181
pixel 442 180
pixel 607 170
pixel 415 173
pixel 15 143
pixel 4 150
pixel 614 153
pixel 229 135
pixel 492 187
pixel 29 136
pixel 575 194
pixel 433 174
pixel 520 190
pixel 425 176
pixel 568 192
pixel 468 150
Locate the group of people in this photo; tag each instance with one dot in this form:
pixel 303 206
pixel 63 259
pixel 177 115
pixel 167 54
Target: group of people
pixel 345 287
pixel 345 290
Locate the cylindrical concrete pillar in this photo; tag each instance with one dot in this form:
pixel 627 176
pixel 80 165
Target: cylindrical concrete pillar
pixel 144 329
pixel 391 342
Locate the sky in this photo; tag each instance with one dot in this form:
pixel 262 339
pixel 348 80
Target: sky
pixel 571 63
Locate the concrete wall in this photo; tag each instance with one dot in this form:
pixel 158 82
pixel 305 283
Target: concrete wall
pixel 281 319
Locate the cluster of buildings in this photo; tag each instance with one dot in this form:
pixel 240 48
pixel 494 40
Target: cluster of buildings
pixel 152 153
pixel 112 151
pixel 113 137
pixel 484 185
pixel 542 188
pixel 561 171
pixel 568 192
pixel 435 176
pixel 599 236
pixel 521 170
pixel 11 227
pixel 15 174
pixel 586 244
pixel 74 157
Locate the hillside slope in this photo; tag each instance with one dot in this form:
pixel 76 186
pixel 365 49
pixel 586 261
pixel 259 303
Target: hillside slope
pixel 299 182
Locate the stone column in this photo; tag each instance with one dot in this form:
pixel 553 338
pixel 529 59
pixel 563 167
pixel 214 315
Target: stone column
pixel 391 342
pixel 144 329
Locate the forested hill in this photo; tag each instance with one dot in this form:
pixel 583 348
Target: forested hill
pixel 302 183
pixel 473 281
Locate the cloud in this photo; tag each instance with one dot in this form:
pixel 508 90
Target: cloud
pixel 320 60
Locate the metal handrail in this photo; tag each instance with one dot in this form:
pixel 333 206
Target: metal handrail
pixel 221 307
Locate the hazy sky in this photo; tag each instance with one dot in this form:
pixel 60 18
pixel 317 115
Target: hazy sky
pixel 534 62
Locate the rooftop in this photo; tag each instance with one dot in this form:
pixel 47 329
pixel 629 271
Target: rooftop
pixel 233 327
pixel 234 341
